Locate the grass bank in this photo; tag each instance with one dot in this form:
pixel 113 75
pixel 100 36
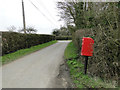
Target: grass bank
pixel 76 69
pixel 70 51
pixel 15 55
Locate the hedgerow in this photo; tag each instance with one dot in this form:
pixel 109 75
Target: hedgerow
pixel 12 41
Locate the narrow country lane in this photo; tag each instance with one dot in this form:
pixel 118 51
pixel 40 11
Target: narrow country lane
pixel 35 70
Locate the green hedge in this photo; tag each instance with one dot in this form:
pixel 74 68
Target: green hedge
pixel 12 41
pixel 22 52
pixel 63 38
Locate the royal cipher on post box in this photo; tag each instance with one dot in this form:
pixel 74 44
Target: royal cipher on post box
pixel 87 46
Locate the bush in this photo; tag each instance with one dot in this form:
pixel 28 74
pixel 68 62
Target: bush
pixel 78 35
pixel 76 68
pixel 63 38
pixel 12 41
pixel 104 62
pixel 22 52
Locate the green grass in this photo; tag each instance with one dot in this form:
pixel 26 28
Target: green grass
pixel 77 72
pixel 15 55
pixel 70 51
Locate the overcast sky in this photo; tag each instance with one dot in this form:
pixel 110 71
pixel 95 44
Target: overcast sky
pixel 44 19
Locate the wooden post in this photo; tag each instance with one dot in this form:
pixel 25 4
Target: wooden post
pixel 24 25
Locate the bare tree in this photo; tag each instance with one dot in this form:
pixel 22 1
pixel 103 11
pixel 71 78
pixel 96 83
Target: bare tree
pixel 29 30
pixel 11 28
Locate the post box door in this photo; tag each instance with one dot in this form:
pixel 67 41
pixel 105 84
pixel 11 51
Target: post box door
pixel 87 46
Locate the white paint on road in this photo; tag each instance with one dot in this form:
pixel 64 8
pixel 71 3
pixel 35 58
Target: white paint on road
pixel 35 70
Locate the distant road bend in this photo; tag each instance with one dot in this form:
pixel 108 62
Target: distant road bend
pixel 35 70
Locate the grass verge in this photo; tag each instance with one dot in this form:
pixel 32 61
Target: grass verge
pixel 76 69
pixel 15 55
pixel 70 51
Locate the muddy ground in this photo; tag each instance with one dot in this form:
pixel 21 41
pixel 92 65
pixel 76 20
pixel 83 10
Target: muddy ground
pixel 63 79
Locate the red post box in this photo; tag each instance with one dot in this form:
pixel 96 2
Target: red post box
pixel 87 46
pixel 87 50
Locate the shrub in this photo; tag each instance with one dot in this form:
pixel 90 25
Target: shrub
pixel 79 34
pixel 104 62
pixel 12 41
pixel 63 38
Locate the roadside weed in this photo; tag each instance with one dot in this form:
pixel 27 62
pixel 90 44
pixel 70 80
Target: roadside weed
pixel 76 69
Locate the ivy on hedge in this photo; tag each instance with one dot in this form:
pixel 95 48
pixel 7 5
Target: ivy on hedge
pixel 13 41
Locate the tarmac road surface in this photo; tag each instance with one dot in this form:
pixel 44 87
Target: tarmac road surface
pixel 36 70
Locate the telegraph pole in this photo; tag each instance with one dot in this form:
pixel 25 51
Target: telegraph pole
pixel 24 25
